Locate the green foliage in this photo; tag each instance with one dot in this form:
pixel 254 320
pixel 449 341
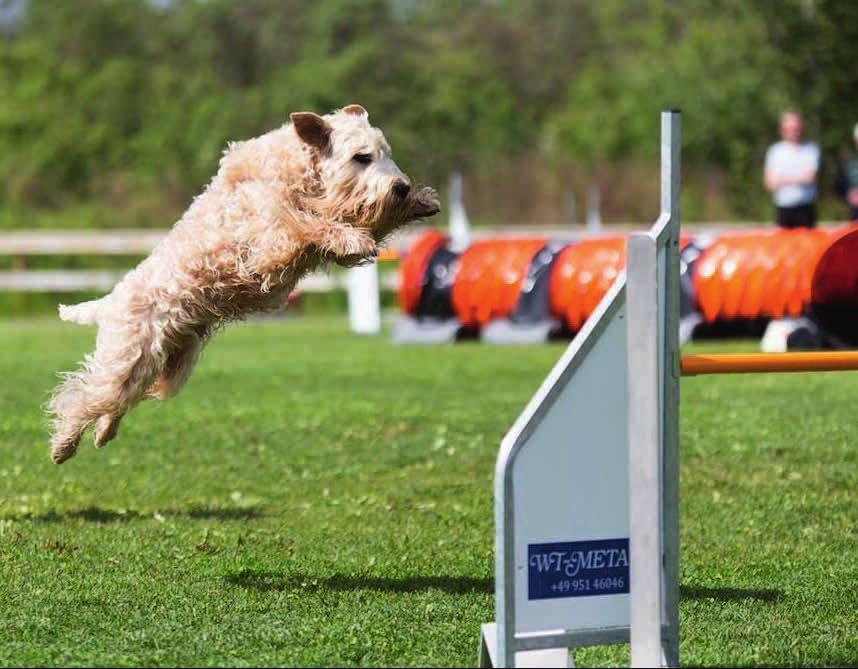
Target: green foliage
pixel 313 498
pixel 129 103
pixel 706 60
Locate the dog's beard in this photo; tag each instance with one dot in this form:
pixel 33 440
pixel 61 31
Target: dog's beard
pixel 353 206
pixel 421 203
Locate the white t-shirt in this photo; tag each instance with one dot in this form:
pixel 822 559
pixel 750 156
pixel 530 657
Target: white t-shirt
pixel 788 159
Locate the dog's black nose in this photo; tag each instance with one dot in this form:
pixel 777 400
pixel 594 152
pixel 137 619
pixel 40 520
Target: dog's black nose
pixel 401 189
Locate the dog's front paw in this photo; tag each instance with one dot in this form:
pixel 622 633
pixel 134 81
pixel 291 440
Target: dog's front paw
pixel 356 259
pixel 359 244
pixel 353 261
pixel 353 247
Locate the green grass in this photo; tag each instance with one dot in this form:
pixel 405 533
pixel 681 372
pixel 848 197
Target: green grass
pixel 314 498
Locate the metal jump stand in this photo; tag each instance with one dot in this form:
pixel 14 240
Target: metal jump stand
pixel 595 453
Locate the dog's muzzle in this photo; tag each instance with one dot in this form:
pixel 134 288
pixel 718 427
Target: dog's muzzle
pixel 424 203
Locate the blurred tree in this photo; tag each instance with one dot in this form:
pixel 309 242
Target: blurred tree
pixel 127 104
pixel 815 43
pixel 708 59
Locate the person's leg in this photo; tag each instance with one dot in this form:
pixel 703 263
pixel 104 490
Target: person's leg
pixel 809 215
pixel 802 216
pixel 788 217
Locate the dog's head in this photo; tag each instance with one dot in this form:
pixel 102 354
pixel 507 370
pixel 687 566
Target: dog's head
pixel 360 182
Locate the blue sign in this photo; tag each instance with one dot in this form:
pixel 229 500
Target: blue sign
pixel 578 569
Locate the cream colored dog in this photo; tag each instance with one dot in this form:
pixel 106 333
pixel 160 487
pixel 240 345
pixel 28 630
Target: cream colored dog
pixel 319 189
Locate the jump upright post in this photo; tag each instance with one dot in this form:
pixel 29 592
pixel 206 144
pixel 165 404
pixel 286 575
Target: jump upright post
pixel 652 340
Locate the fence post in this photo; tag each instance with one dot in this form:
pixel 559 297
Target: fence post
pixel 364 309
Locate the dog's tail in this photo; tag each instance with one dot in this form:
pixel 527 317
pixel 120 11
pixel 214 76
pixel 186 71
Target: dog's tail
pixel 85 313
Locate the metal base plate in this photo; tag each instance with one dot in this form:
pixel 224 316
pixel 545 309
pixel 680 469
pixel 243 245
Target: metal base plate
pixel 408 330
pixel 548 657
pixel 503 331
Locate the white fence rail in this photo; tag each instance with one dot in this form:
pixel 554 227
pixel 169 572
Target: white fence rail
pixel 79 280
pixel 72 242
pixel 19 245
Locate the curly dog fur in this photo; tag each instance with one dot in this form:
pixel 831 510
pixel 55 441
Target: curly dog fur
pixel 317 190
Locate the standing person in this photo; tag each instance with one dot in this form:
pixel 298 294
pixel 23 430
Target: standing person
pixel 850 179
pixel 790 175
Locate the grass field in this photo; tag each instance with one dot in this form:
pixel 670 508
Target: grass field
pixel 314 498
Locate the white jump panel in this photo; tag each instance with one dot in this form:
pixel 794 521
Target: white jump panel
pixel 561 510
pixel 573 467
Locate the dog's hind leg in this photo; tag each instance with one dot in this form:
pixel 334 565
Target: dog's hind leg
pixel 106 428
pixel 110 382
pixel 179 364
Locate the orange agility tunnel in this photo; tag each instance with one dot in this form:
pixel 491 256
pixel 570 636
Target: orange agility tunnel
pixel 582 275
pixel 413 269
pixel 834 288
pixel 759 273
pixel 739 276
pixel 489 279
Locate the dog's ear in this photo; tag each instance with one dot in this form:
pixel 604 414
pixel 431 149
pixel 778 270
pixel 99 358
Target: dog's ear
pixel 355 110
pixel 312 129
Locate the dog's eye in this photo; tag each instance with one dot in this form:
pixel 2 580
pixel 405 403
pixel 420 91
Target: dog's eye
pixel 362 158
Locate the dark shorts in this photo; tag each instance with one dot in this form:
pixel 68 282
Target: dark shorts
pixel 802 216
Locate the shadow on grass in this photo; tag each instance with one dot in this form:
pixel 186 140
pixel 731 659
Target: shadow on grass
pixel 729 594
pixel 267 581
pixel 97 514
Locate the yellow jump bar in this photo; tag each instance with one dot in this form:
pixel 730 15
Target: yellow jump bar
pixel 749 363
